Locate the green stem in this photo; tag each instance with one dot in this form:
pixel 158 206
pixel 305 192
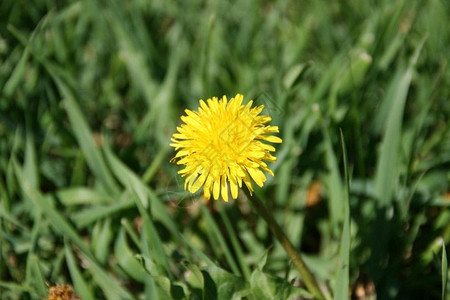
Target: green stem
pixel 298 262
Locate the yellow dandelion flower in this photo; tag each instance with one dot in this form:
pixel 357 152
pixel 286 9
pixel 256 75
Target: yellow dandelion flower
pixel 222 144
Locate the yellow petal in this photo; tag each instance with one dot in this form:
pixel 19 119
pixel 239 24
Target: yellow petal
pixel 257 176
pixel 248 183
pixel 224 188
pixel 182 153
pixel 267 147
pixel 271 139
pixel 188 179
pixel 195 186
pixel 216 189
pixel 233 188
pixel 207 192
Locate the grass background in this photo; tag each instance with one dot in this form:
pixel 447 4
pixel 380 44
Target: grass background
pixel 91 92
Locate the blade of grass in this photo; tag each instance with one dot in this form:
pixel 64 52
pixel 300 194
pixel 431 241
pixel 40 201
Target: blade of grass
pixel 58 222
pixel 151 170
pixel 109 285
pixel 444 271
pixel 135 184
pixel 128 228
pixel 36 278
pixel 80 285
pixel 33 272
pixel 17 75
pixel 127 259
pixel 236 246
pixel 21 67
pixel 151 239
pixel 82 195
pixel 333 178
pixel 57 267
pixel 387 166
pixel 92 214
pixel 102 241
pixel 150 266
pixel 342 274
pixel 200 254
pixel 218 240
pixel 387 169
pixel 127 177
pixel 84 136
pixel 19 288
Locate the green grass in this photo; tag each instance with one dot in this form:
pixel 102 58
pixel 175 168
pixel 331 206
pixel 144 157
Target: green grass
pixel 91 92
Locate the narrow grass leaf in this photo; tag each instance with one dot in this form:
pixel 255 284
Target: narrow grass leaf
pixel 336 193
pixel 444 271
pixel 17 75
pixel 388 160
pixel 85 138
pixel 129 229
pixel 130 180
pixel 265 286
pixel 126 258
pixel 218 239
pixel 89 215
pixel 127 177
pixel 200 254
pixel 19 288
pixel 58 222
pixel 151 289
pixel 30 167
pixel 37 279
pixel 236 245
pixel 342 274
pixel 220 284
pixel 80 286
pixel 155 164
pixel 110 286
pixel 103 241
pixel 151 239
pixel 82 195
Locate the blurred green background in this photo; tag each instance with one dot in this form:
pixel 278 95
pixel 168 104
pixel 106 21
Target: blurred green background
pixel 91 92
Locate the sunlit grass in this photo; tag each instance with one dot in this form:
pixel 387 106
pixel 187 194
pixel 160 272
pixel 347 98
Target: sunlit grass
pixel 92 92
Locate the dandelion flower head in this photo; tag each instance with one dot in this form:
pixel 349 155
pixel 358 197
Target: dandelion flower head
pixel 224 144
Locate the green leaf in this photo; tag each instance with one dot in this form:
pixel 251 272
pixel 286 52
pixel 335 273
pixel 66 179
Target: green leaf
pixel 265 286
pixel 166 287
pixel 388 160
pixel 110 286
pixel 218 240
pixel 444 271
pixel 80 286
pixel 85 137
pixel 235 243
pixel 151 241
pixel 135 184
pixel 58 222
pixel 38 280
pixel 82 195
pixel 220 284
pixel 343 269
pixel 336 193
pixel 127 259
pixel 93 213
pixel 102 240
pixel 263 260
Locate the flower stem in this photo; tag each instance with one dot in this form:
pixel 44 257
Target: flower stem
pixel 298 262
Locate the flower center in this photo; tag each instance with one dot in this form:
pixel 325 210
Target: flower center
pixel 228 139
